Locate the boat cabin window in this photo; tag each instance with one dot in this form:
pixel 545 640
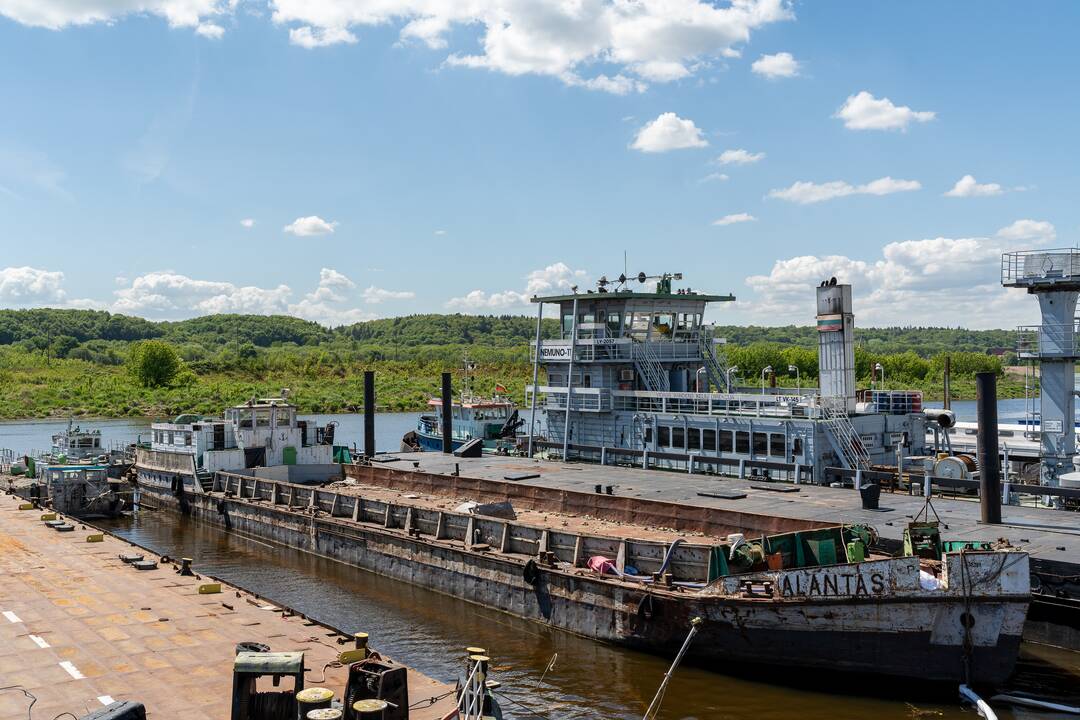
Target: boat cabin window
pixel 586 317
pixel 726 444
pixel 244 418
pixel 567 324
pixel 614 324
pixel 187 439
pixel 742 442
pixel 777 446
pixel 677 439
pixel 662 323
pixel 639 326
pixel 648 435
pixel 284 417
pixel 664 436
pixel 587 381
pixel 262 417
pixel 796 447
pixel 761 443
pixel 693 439
pixel 708 440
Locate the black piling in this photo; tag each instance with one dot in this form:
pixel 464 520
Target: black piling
pixel 369 413
pixel 447 416
pixel 989 462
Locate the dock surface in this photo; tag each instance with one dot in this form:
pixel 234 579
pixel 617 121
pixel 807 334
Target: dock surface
pixel 79 628
pixel 1046 534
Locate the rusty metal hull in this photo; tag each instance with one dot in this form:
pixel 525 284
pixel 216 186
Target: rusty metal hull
pixel 901 636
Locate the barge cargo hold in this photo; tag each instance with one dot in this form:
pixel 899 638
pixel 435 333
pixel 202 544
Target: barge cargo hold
pixel 815 609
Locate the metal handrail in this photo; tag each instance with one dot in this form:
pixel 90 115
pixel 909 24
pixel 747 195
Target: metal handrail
pixel 1057 339
pixel 1028 267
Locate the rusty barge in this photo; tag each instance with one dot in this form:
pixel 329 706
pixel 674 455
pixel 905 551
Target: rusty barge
pixel 772 591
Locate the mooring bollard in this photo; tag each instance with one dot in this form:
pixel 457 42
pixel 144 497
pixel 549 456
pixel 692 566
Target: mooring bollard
pixel 370 709
pixel 315 698
pixel 185 566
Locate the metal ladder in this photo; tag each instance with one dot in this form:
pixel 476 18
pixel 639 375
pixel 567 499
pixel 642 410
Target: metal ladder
pixel 206 479
pixel 649 367
pixel 716 368
pixel 843 437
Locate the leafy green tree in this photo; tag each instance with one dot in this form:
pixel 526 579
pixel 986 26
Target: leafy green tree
pixel 154 363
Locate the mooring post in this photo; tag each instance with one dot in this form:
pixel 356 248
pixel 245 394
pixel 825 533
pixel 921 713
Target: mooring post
pixel 989 462
pixel 447 415
pixel 369 413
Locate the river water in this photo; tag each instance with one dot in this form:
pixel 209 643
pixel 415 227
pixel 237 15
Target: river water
pixel 589 679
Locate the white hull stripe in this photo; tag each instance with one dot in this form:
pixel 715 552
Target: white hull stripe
pixel 39 641
pixel 72 670
pixel 12 617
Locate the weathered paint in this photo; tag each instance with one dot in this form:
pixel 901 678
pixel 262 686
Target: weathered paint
pixel 901 631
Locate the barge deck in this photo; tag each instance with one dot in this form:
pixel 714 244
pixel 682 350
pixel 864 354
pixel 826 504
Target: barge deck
pixel 79 628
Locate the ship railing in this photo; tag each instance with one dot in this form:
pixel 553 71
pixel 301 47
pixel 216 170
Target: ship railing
pixel 692 403
pixel 616 350
pixel 1048 340
pixel 1040 267
pixel 653 374
pixel 582 399
pixel 846 441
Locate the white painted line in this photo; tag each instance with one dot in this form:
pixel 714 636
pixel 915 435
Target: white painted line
pixel 72 670
pixel 12 617
pixel 39 641
pixel 105 699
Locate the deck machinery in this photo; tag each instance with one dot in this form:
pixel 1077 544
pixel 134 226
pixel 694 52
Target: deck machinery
pixel 642 372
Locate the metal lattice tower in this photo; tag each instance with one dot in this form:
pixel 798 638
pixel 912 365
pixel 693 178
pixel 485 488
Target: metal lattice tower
pixel 1053 277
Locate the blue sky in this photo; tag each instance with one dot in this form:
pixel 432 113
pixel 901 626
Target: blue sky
pixel 427 156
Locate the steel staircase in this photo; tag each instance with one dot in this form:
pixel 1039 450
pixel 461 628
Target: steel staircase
pixel 843 437
pixel 205 478
pixel 649 368
pixel 716 369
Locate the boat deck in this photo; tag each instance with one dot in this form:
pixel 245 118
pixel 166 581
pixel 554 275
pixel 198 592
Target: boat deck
pixel 79 628
pixel 1046 534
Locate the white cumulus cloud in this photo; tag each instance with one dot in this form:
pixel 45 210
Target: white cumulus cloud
pixel 739 157
pixel 248 222
pixel 58 14
pixel 806 193
pixel 375 295
pixel 668 132
pixel 310 225
pixel 934 282
pixel 780 65
pixel 646 40
pixel 863 111
pixel 1033 231
pixel 558 277
pixel 26 286
pixel 210 30
pixel 968 187
pixel 735 218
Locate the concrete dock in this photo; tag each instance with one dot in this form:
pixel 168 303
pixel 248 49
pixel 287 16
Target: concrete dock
pixel 1048 535
pixel 79 628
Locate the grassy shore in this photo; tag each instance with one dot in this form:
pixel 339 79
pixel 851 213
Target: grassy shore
pixel 32 387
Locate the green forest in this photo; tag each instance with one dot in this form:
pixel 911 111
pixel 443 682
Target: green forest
pixel 79 362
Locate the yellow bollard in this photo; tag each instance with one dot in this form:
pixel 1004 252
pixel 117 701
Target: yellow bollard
pixel 48 516
pixel 209 588
pixel 96 537
pixel 26 506
pixel 315 698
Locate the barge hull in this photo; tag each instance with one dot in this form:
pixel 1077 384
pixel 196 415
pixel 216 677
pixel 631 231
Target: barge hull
pixel 899 637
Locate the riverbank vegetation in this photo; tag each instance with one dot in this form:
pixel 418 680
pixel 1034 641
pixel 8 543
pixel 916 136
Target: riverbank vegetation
pixel 78 362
